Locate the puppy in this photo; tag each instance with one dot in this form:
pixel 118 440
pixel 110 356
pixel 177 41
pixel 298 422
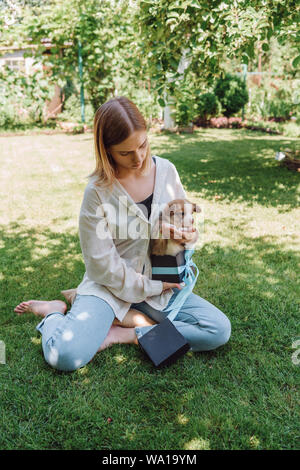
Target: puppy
pixel 179 214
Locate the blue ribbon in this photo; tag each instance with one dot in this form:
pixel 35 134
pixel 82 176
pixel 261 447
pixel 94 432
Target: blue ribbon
pixel 190 279
pixel 167 270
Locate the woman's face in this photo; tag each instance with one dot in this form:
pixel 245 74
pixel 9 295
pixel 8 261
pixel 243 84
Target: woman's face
pixel 130 154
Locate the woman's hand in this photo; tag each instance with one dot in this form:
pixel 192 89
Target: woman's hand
pixel 183 235
pixel 170 285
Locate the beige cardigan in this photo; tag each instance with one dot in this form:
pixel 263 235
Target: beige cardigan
pixel 114 265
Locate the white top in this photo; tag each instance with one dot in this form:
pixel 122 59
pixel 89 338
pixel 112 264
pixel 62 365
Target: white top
pixel 114 264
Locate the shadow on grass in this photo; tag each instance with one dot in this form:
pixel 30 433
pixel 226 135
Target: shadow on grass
pixel 237 169
pixel 36 265
pixel 253 276
pixel 180 407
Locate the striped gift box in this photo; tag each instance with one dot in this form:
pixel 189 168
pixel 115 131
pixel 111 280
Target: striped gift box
pixel 168 268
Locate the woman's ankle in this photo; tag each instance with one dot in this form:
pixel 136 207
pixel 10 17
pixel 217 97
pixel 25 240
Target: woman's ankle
pixel 134 318
pixel 118 335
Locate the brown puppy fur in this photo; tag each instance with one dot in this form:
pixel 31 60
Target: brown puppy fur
pixel 177 213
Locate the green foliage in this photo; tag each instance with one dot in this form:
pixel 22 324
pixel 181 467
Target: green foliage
pixel 145 40
pixel 139 92
pixel 286 128
pixel 208 105
pixel 284 103
pixel 104 33
pixel 232 93
pixel 23 97
pixel 267 126
pixel 274 98
pixel 72 110
pixel 184 103
pixel 281 109
pixel 68 90
pixel 290 128
pixel 211 31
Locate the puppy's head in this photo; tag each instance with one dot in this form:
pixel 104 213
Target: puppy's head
pixel 179 212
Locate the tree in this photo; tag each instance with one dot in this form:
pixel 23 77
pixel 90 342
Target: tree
pixel 105 35
pixel 146 39
pixel 232 93
pixel 212 29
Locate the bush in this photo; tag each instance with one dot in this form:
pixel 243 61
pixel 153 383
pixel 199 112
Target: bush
pixel 146 102
pixel 185 106
pixel 138 91
pixel 181 99
pixel 8 116
pixel 281 110
pixel 182 114
pixel 275 99
pixel 208 105
pixel 232 93
pixel 72 110
pixel 263 126
pixel 22 97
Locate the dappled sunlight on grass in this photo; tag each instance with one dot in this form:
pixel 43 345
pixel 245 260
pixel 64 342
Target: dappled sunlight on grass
pixel 182 419
pixel 86 381
pixel 120 358
pixel 36 341
pixel 235 165
pixel 252 267
pixel 27 263
pixel 197 444
pixel 241 395
pixel 83 370
pixel 254 442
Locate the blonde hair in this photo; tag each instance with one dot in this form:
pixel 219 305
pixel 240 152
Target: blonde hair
pixel 114 122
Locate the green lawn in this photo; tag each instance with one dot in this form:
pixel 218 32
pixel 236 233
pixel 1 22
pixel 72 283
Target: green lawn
pixel 240 396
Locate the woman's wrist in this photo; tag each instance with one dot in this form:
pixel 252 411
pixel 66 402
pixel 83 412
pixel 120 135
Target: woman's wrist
pixel 157 287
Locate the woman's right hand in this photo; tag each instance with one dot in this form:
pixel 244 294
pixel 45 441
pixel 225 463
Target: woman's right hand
pixel 170 285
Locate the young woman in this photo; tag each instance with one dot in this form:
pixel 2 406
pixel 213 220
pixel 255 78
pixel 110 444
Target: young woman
pixel 117 301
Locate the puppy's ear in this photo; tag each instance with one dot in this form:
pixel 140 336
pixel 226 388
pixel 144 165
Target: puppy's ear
pixel 196 208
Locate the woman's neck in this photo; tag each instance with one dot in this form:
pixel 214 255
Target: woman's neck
pixel 131 175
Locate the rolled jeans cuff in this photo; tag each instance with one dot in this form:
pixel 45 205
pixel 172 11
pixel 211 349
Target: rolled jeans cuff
pixel 40 325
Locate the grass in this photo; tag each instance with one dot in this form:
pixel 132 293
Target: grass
pixel 240 396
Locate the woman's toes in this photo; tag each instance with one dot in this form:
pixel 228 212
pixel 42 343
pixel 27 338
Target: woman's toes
pixel 18 308
pixel 21 308
pixel 41 307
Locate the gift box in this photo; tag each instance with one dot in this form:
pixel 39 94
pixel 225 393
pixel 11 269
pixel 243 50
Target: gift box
pixel 168 268
pixel 163 344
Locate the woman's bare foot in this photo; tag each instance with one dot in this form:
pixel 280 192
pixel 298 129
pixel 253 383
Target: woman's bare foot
pixel 117 334
pixel 134 318
pixel 41 307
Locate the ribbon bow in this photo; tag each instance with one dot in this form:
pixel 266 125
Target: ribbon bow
pixel 189 279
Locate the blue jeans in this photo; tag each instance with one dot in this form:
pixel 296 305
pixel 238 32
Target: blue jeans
pixel 70 341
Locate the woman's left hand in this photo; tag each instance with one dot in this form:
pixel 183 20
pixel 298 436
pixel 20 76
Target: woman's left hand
pixel 180 235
